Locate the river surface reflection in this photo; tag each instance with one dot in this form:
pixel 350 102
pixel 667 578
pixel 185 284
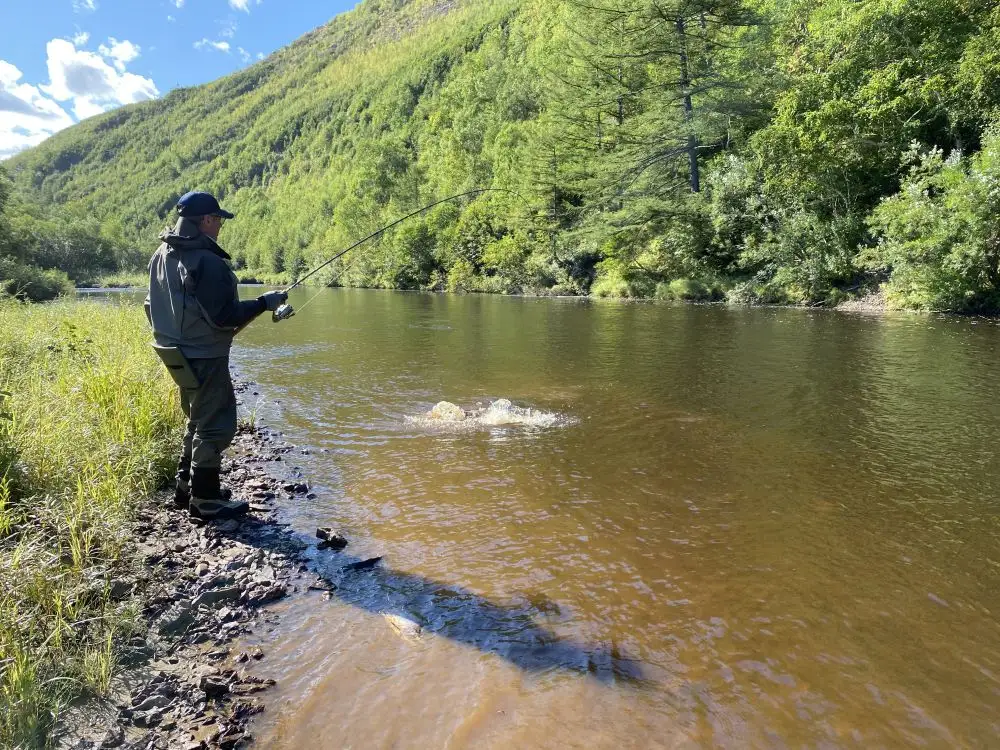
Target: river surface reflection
pixel 746 528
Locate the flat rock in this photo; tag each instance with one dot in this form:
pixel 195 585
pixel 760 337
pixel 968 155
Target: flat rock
pixel 114 737
pixel 217 596
pixel 271 594
pixel 176 620
pixel 371 562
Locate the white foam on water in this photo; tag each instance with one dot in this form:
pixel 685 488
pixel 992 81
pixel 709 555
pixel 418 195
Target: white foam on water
pixel 499 413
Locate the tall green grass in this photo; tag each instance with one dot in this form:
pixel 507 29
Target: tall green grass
pixel 88 423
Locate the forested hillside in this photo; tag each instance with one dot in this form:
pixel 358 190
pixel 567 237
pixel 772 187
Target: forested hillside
pixel 793 151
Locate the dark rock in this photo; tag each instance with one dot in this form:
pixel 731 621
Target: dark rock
pixel 216 596
pixel 327 587
pixel 271 594
pixel 121 588
pixel 246 708
pixel 331 539
pixel 148 719
pixel 176 620
pixel 213 686
pixel 114 737
pixel 297 488
pixel 364 564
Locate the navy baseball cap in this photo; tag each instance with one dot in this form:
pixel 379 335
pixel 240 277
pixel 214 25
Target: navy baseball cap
pixel 201 204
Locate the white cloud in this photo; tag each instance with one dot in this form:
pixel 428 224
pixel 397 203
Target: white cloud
pixel 244 55
pixel 228 29
pixel 221 46
pixel 81 6
pixel 171 19
pixel 81 38
pixel 243 5
pixel 84 80
pixel 179 3
pixel 93 86
pixel 27 117
pixel 260 55
pixel 120 53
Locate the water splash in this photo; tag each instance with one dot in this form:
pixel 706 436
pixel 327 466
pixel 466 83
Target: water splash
pixel 499 413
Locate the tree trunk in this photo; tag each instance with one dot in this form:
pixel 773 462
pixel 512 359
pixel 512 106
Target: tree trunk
pixel 692 141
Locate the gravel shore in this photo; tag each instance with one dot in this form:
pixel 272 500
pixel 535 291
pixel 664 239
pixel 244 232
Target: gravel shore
pixel 199 587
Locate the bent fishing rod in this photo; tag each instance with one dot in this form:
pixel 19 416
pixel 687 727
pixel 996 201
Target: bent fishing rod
pixel 286 311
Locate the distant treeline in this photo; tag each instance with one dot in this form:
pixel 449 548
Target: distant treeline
pixel 759 151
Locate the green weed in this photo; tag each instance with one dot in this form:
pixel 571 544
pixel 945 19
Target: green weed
pixel 88 422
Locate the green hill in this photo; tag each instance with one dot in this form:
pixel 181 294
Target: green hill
pixel 768 150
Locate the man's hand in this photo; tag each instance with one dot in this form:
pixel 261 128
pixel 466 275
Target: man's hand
pixel 273 300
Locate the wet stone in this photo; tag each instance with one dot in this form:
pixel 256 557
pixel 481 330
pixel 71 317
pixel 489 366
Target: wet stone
pixel 154 701
pixel 371 562
pixel 331 539
pixel 213 686
pixel 113 738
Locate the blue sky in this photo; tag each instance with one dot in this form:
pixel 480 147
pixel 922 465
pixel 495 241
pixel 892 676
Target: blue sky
pixel 64 60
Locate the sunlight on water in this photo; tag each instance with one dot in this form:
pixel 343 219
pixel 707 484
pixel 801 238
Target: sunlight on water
pixel 683 527
pixel 500 413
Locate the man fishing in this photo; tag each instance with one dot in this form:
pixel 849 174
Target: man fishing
pixel 195 311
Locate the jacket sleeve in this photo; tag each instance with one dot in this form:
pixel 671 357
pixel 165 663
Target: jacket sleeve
pixel 217 294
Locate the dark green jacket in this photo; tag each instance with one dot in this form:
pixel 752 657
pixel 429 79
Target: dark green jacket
pixel 193 302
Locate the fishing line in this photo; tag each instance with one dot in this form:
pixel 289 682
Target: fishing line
pixel 387 227
pixel 286 311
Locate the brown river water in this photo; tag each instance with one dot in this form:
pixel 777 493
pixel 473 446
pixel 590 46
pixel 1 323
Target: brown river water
pixel 727 528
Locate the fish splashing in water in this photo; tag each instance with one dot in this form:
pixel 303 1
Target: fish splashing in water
pixel 499 413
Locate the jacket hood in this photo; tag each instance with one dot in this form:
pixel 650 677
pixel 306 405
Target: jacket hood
pixel 185 235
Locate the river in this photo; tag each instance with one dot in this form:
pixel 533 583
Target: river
pixel 740 527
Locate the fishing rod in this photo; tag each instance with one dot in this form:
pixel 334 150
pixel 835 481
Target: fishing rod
pixel 286 311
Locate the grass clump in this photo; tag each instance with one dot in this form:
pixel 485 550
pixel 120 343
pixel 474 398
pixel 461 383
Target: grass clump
pixel 87 426
pixel 689 290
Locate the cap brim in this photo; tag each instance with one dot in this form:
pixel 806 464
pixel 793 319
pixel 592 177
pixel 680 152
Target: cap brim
pixel 224 214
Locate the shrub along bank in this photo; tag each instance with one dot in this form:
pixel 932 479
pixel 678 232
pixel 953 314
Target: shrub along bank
pixel 87 422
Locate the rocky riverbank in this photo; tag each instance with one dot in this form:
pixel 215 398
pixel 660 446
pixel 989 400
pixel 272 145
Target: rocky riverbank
pixel 198 587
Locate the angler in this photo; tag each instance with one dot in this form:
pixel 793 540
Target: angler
pixel 195 311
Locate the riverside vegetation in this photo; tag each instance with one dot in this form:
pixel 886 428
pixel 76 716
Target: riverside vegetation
pixel 88 425
pixel 777 151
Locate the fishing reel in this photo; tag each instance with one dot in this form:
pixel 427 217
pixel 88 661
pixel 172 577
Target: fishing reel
pixel 284 312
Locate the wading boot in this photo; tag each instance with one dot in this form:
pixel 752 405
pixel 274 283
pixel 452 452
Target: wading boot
pixel 182 487
pixel 209 500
